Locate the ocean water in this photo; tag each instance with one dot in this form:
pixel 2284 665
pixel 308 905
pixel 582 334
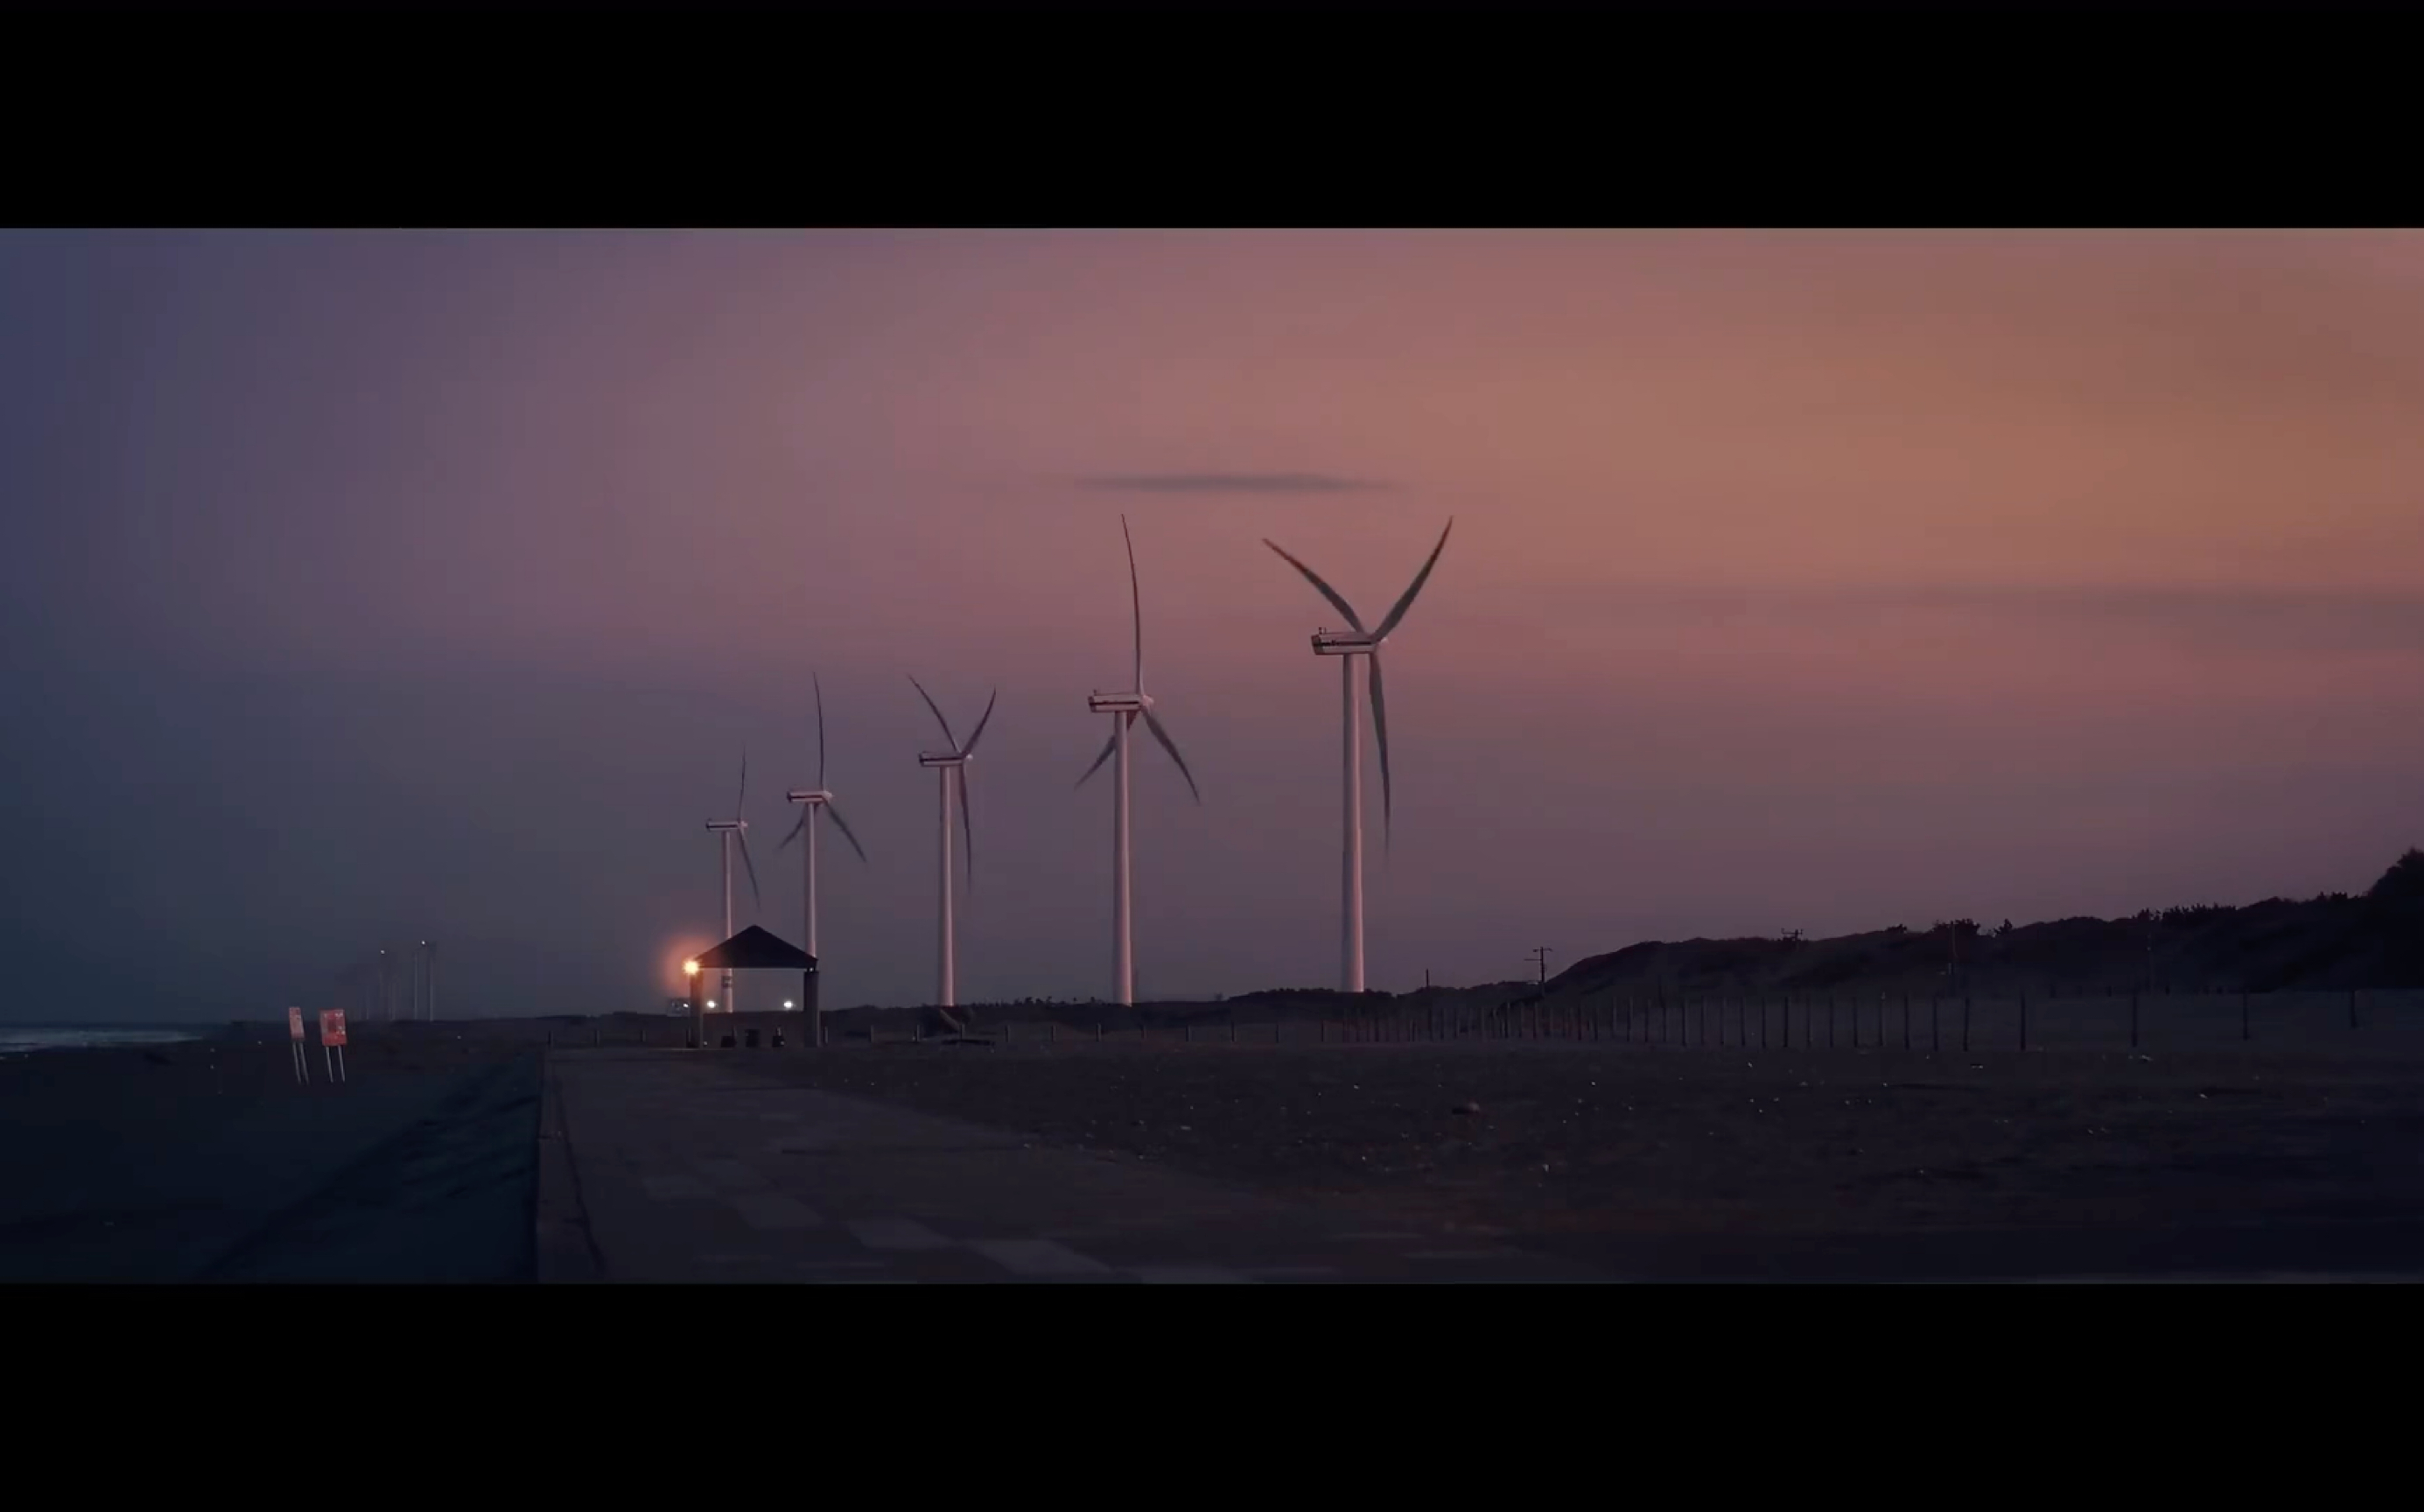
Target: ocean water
pixel 18 1039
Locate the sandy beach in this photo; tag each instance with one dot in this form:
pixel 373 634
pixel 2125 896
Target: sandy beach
pixel 207 1161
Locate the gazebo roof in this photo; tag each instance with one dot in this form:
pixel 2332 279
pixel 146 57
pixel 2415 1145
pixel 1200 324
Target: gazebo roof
pixel 755 950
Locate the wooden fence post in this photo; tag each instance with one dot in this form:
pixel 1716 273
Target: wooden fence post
pixel 1935 1025
pixel 2133 1020
pixel 2024 1021
pixel 1965 1025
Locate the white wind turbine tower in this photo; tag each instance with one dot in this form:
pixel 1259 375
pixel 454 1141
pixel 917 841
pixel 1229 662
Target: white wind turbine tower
pixel 815 801
pixel 949 765
pixel 1126 709
pixel 1347 645
pixel 732 829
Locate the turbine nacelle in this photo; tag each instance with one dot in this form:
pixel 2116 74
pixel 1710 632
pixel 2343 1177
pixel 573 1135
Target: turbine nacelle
pixel 942 758
pixel 809 795
pixel 1118 703
pixel 1345 642
pixel 727 824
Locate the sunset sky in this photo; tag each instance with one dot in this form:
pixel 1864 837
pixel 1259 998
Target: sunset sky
pixel 363 587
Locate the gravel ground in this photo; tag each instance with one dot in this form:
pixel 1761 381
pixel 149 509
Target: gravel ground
pixel 1544 1141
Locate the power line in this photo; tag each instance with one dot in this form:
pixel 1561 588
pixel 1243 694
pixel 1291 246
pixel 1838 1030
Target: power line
pixel 1540 957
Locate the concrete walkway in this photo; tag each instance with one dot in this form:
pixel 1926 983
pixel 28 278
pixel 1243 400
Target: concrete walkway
pixel 669 1166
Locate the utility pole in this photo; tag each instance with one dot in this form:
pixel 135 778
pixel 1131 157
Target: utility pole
pixel 1540 957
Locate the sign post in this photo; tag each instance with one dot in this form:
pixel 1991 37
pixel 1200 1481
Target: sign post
pixel 295 1035
pixel 332 1042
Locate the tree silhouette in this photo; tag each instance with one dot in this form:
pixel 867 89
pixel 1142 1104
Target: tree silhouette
pixel 2404 880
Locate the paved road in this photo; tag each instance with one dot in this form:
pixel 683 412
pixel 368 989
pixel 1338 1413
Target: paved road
pixel 666 1166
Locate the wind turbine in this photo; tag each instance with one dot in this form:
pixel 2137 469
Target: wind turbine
pixel 815 801
pixel 1124 710
pixel 1347 645
pixel 950 764
pixel 735 828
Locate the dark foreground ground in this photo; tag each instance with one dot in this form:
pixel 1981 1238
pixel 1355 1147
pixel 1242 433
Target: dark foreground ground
pixel 1700 1163
pixel 207 1162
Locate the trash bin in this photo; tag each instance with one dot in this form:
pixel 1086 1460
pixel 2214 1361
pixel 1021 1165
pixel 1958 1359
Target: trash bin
pixel 749 1038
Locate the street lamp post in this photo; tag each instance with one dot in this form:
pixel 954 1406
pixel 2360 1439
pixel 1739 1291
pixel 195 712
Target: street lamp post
pixel 697 1009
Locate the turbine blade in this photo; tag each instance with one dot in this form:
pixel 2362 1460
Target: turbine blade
pixel 756 898
pixel 971 748
pixel 820 727
pixel 967 830
pixel 1135 603
pixel 745 783
pixel 796 831
pixel 835 814
pixel 948 736
pixel 1314 577
pixel 1420 578
pixel 1172 746
pixel 1381 738
pixel 1109 746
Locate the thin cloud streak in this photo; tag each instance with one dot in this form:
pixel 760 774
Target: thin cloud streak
pixel 1235 482
pixel 2322 621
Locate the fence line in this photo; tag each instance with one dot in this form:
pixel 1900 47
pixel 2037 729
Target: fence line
pixel 1866 1022
pixel 1654 1020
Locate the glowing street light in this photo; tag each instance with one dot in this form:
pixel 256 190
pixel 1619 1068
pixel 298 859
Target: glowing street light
pixel 690 969
pixel 786 1005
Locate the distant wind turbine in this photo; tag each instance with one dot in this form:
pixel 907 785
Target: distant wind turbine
pixel 735 828
pixel 1126 709
pixel 952 764
pixel 815 801
pixel 1347 645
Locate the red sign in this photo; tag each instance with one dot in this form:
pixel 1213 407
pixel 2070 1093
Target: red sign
pixel 332 1025
pixel 294 1022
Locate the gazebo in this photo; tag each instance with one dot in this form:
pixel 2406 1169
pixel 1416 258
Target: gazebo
pixel 756 950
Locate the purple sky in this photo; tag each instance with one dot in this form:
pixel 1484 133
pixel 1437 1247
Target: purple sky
pixel 362 587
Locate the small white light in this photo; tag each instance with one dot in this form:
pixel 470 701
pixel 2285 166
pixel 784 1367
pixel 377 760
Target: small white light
pixel 710 1002
pixel 787 1002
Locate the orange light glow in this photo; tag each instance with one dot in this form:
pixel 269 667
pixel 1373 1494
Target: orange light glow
pixel 690 969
